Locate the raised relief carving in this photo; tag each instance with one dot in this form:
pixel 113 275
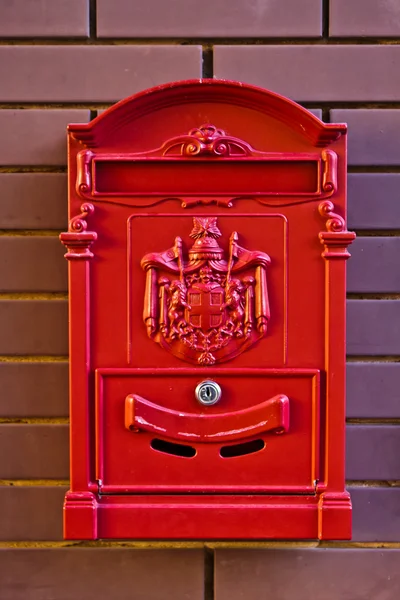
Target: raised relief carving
pixel 205 309
pixel 207 140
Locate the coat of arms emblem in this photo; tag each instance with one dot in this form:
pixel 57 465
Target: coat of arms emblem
pixel 205 308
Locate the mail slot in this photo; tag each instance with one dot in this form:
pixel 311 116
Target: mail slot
pixel 207 245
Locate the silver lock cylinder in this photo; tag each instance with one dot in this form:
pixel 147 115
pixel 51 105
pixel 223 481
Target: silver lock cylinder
pixel 208 392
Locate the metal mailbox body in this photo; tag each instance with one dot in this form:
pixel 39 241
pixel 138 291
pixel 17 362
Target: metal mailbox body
pixel 207 246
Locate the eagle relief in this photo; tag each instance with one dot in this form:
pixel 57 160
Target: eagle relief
pixel 205 307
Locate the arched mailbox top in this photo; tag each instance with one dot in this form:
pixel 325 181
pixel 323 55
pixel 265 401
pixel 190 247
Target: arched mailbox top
pixel 291 114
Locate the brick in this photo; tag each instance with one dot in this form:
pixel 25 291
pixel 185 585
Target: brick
pixel 374 265
pixel 44 18
pixel 92 573
pixel 373 390
pixel 315 73
pixel 32 264
pixel 376 515
pixel 36 137
pixel 34 327
pixel 208 19
pixel 373 201
pixel 372 452
pixel 364 18
pixel 19 503
pixel 301 574
pixel 34 451
pixel 91 73
pixel 34 389
pixel 372 327
pixel 33 200
pixel 374 135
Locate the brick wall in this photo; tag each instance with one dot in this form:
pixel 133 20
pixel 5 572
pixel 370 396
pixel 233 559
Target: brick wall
pixel 63 60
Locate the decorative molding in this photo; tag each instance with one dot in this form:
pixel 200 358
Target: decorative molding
pixel 77 239
pixel 84 175
pixel 335 222
pixel 207 140
pixel 78 224
pixel 329 176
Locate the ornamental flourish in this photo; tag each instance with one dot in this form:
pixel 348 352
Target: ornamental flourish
pixel 202 306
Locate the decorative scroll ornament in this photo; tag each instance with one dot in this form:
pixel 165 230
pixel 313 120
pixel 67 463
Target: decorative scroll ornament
pixel 78 223
pixel 335 222
pixel 77 239
pixel 207 140
pixel 205 309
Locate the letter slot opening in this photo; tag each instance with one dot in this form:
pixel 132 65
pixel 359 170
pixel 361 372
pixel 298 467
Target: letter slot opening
pixel 171 448
pixel 234 450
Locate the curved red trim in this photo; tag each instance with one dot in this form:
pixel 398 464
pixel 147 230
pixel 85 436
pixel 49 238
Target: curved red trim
pixel 270 415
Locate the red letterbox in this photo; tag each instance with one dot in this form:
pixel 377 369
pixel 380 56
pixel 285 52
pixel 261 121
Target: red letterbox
pixel 207 246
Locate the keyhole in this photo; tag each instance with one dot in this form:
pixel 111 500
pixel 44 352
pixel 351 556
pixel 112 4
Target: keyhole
pixel 208 392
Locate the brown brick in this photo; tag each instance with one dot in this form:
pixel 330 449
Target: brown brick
pixel 373 200
pixel 372 327
pixel 301 574
pixel 33 200
pixel 374 135
pixel 34 389
pixel 34 327
pixel 36 137
pixel 376 515
pixel 19 503
pixel 101 573
pixel 91 73
pixel 34 451
pixel 374 265
pixel 373 390
pixel 44 18
pixel 364 18
pixel 315 73
pixel 372 452
pixel 32 264
pixel 208 19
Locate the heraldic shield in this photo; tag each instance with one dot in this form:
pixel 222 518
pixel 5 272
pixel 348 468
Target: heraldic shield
pixel 203 308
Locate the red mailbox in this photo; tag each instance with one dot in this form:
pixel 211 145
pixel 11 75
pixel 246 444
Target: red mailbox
pixel 207 246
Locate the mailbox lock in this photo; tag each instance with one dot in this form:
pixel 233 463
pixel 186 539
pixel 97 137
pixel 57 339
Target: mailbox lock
pixel 208 392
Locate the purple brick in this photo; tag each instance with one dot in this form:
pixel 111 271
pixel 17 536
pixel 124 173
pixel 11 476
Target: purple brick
pixel 209 19
pixel 374 135
pixel 36 137
pixel 373 390
pixel 33 200
pixel 315 73
pixel 301 574
pixel 376 514
pixel 372 452
pixel 98 573
pixel 34 389
pixel 34 451
pixel 19 503
pixel 373 200
pixel 374 265
pixel 91 73
pixel 32 264
pixel 44 18
pixel 373 327
pixel 34 327
pixel 364 18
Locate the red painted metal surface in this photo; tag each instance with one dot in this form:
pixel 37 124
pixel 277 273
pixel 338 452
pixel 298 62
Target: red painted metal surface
pixel 207 243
